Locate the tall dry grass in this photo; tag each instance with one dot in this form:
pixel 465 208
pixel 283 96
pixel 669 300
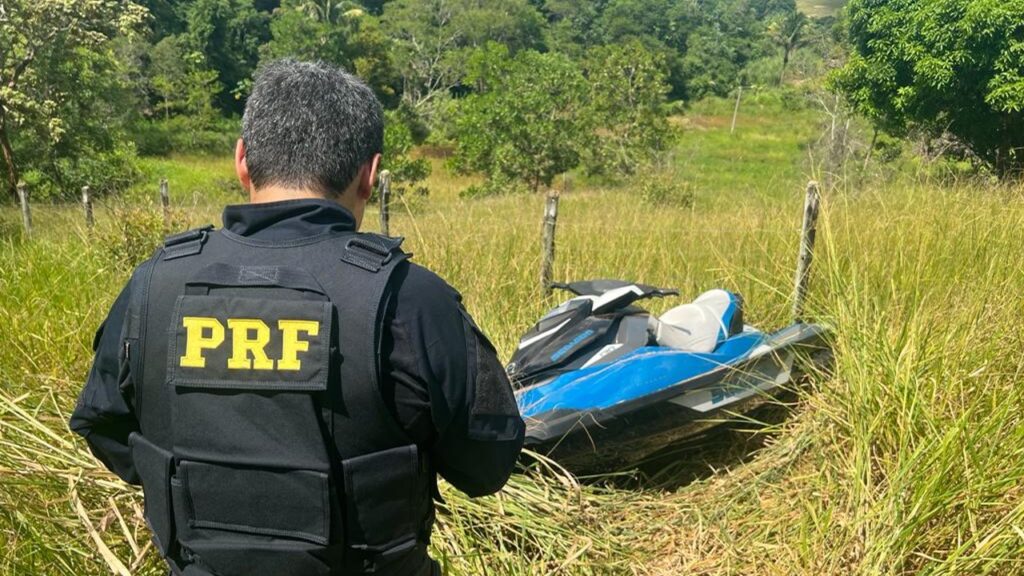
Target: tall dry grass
pixel 907 460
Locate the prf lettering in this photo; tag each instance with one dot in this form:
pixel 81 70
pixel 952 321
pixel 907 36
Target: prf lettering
pixel 249 339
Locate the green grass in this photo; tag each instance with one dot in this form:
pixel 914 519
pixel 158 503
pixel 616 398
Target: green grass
pixel 907 460
pixel 192 179
pixel 820 8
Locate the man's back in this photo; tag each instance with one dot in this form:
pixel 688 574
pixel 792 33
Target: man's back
pixel 285 390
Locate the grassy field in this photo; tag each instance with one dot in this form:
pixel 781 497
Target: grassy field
pixel 907 460
pixel 821 8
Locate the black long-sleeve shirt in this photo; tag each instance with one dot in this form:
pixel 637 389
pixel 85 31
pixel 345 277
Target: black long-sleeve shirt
pixel 440 376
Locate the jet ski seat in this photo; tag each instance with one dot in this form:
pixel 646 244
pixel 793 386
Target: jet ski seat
pixel 701 325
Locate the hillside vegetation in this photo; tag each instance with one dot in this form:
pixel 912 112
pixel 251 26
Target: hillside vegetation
pixel 820 8
pixel 906 460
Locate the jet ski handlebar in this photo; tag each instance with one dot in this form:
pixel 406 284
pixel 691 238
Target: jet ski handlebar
pixel 600 287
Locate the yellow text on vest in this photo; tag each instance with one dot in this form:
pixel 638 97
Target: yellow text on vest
pixel 249 339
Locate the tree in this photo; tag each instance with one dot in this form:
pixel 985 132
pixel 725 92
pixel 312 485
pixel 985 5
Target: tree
pixel 180 79
pixel 628 88
pixel 529 123
pixel 941 66
pixel 167 17
pixel 664 27
pixel 407 172
pixel 432 38
pixel 228 33
pixel 705 44
pixel 767 9
pixel 788 33
pixel 572 25
pixel 56 60
pixel 330 11
pixel 341 33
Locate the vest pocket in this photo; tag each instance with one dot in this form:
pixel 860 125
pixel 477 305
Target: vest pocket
pixel 287 504
pixel 386 496
pixel 155 467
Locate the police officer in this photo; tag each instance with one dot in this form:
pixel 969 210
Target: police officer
pixel 285 389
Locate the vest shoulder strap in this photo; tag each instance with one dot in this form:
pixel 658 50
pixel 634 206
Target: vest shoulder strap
pixel 372 252
pixel 188 243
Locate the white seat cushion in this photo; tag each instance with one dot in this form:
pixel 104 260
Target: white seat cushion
pixel 699 326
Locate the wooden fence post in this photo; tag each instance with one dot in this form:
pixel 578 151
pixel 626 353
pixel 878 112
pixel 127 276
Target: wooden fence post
pixel 736 110
pixel 812 203
pixel 384 200
pixel 26 213
pixel 87 206
pixel 548 257
pixel 165 201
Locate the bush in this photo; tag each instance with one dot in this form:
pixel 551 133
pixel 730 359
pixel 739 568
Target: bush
pixel 407 173
pixel 527 120
pixel 184 135
pixel 628 86
pixel 496 185
pixel 135 235
pixel 887 148
pixel 663 191
pixel 105 172
pixel 950 66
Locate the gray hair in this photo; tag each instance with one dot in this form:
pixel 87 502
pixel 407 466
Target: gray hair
pixel 310 125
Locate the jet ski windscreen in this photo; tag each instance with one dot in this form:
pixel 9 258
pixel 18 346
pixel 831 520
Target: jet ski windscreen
pixel 554 350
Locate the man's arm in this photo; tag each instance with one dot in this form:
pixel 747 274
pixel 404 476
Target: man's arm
pixel 450 391
pixel 102 416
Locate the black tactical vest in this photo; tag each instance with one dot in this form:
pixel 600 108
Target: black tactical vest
pixel 265 445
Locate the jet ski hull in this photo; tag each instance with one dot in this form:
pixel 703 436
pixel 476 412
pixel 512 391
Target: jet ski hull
pixel 607 417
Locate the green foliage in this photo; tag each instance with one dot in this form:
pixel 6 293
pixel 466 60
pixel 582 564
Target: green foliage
pixel 65 91
pixel 169 79
pixel 665 192
pixel 938 66
pixel 432 37
pixel 789 32
pixel 533 116
pixel 627 85
pixel 663 26
pixel 185 135
pixel 407 173
pixel 135 235
pixel 167 17
pixel 529 120
pixel 705 45
pixel 228 33
pixel 335 32
pixel 182 81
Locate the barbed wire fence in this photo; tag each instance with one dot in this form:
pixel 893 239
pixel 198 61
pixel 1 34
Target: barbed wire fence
pixel 550 224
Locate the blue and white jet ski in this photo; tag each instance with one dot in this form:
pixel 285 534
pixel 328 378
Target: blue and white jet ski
pixel 603 383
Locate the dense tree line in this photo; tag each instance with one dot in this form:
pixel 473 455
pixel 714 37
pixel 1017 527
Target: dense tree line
pixel 86 85
pixel 943 69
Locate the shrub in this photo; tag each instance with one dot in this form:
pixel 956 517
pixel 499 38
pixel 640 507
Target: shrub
pixel 526 121
pixel 496 185
pixel 407 173
pixel 184 135
pixel 663 191
pixel 135 235
pixel 628 85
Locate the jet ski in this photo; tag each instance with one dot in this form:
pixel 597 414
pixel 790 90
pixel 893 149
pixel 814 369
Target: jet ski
pixel 602 383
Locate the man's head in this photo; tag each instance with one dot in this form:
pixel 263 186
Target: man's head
pixel 310 130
